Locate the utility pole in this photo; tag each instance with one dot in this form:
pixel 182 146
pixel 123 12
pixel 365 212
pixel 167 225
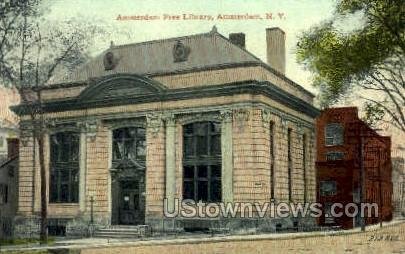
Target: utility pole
pixel 380 201
pixel 362 180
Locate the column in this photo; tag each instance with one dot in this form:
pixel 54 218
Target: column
pixel 170 161
pixel 227 156
pixel 82 172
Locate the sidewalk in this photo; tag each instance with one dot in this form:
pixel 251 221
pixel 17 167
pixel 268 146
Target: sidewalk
pixel 88 243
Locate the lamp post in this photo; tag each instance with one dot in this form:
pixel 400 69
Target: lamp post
pixel 91 210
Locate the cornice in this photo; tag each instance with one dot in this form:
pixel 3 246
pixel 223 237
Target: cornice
pixel 160 95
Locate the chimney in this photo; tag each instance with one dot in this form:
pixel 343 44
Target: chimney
pixel 238 39
pixel 275 38
pixel 12 147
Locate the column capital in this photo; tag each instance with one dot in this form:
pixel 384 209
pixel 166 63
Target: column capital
pixel 154 122
pixel 170 119
pixel 89 127
pixel 266 116
pixel 226 115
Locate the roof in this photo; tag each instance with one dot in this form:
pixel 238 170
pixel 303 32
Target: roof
pixel 151 58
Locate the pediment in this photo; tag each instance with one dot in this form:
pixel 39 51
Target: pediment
pixel 120 86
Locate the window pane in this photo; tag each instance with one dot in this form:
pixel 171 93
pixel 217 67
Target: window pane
pixel 334 134
pixel 201 129
pixel 64 193
pixel 64 155
pixel 216 145
pixel 202 171
pixel 216 191
pixel 74 147
pixel 118 134
pixel 215 127
pixel 188 190
pixel 201 145
pixel 334 156
pixel 130 149
pixel 188 172
pixel 140 149
pixel 188 129
pixel 64 176
pixel 202 191
pixel 117 151
pixel 53 190
pixel 141 132
pixel 215 171
pixel 131 133
pixel 188 146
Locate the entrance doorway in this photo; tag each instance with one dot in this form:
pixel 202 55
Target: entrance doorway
pixel 131 204
pixel 128 176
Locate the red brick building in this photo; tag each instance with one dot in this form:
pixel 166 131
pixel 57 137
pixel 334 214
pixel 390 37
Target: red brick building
pixel 345 145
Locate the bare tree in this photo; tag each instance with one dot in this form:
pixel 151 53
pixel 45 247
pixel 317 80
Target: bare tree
pixel 386 83
pixel 32 51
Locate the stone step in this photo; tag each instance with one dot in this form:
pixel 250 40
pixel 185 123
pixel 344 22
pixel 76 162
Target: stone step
pixel 120 230
pixel 101 235
pixel 123 231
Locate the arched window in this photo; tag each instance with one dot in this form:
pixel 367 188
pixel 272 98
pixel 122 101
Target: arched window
pixel 64 167
pixel 202 161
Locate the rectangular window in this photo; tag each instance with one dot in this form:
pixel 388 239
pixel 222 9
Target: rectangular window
pixel 272 157
pixel 289 155
pixel 3 194
pixel 304 164
pixel 202 161
pixel 327 188
pixel 333 134
pixel 64 168
pixel 335 155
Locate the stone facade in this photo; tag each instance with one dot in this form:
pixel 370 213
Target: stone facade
pixel 163 106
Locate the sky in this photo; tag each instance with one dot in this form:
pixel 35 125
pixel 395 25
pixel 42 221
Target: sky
pixel 292 16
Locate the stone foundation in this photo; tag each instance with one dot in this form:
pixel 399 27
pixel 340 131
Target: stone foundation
pixel 232 225
pixel 29 227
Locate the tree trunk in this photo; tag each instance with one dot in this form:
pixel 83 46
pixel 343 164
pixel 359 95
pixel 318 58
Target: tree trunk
pixel 44 203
